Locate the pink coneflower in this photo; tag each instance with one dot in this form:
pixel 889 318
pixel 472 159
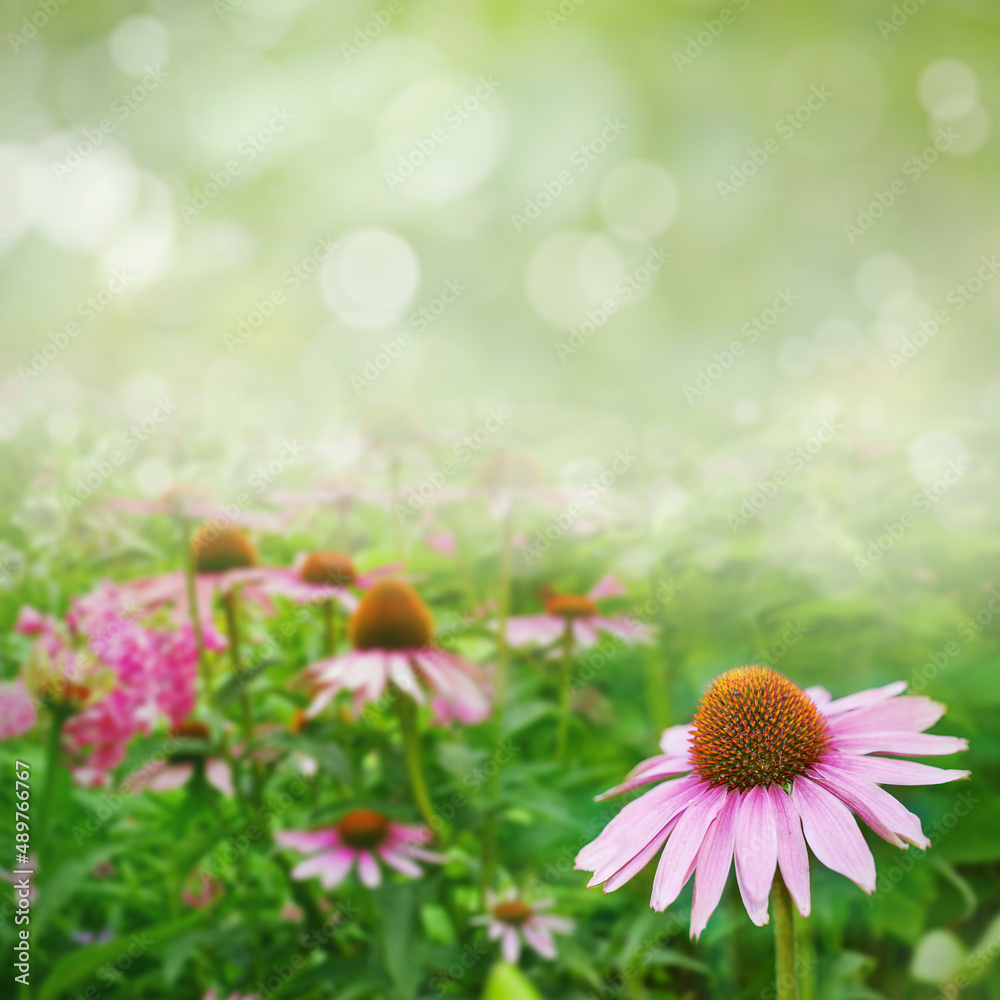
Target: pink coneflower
pixel 391 632
pixel 223 559
pixel 358 839
pixel 764 763
pixel 578 616
pixel 511 918
pixel 320 576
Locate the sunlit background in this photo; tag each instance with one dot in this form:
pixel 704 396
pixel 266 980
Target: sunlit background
pixel 749 252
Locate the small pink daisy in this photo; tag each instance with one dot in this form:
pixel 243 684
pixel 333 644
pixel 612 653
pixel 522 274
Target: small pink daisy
pixel 320 576
pixel 580 615
pixel 391 632
pixel 765 762
pixel 360 837
pixel 511 918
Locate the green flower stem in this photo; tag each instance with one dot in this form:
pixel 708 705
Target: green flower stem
pixel 805 956
pixel 51 779
pixel 566 691
pixel 230 604
pixel 407 710
pixel 786 984
pixel 191 587
pixel 330 626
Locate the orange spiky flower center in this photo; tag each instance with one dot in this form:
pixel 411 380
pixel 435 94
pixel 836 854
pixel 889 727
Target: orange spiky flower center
pixel 363 828
pixel 570 606
pixel 513 912
pixel 391 616
pixel 754 727
pixel 332 568
pixel 219 549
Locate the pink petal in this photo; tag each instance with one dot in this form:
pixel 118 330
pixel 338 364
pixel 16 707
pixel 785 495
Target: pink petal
pixel 584 633
pixel 368 870
pixel 170 777
pixel 905 714
pixel 632 868
pixel 677 860
pixel 715 857
pixel 639 823
pixel 550 922
pixel 901 743
pixel 539 939
pixel 819 694
pixel 833 833
pixel 676 741
pixel 883 813
pixel 220 776
pixel 863 699
pixel 308 840
pixel 627 629
pixel 525 630
pixel 330 867
pixel 654 769
pixel 756 852
pixel 400 862
pixel 793 858
pixel 510 945
pixel 607 586
pixel 892 772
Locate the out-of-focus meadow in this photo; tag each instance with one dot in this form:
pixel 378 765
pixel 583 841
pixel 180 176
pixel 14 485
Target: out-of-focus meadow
pixel 720 278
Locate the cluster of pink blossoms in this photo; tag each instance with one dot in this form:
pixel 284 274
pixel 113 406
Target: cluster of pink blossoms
pixel 109 673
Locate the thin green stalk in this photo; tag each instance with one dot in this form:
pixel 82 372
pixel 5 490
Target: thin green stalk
pixel 397 522
pixel 805 956
pixel 407 711
pixel 191 588
pixel 786 984
pixel 566 691
pixel 230 604
pixel 51 778
pixel 330 626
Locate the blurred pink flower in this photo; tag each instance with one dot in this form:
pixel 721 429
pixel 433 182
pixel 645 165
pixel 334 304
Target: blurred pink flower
pixel 391 632
pixel 319 576
pixel 511 918
pixel 200 889
pixel 196 503
pixel 358 839
pixel 768 768
pixel 18 711
pixel 442 542
pixel 581 616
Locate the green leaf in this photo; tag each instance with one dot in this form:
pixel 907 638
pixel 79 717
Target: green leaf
pixel 507 982
pixel 84 963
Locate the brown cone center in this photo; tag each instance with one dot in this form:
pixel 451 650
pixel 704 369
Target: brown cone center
pixel 391 616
